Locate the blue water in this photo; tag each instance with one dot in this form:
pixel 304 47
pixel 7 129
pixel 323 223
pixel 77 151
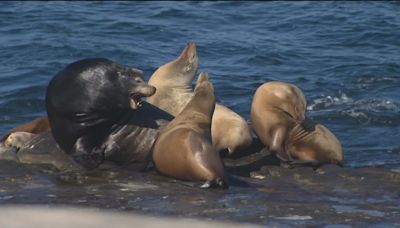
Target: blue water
pixel 344 56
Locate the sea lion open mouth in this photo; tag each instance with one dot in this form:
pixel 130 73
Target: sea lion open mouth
pixel 135 100
pixel 136 97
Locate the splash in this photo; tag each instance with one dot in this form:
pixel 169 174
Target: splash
pixel 367 111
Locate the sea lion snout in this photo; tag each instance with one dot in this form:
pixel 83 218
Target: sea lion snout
pixel 190 53
pixel 138 92
pixel 203 85
pixel 203 76
pixel 189 57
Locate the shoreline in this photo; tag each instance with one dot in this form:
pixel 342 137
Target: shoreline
pixel 299 196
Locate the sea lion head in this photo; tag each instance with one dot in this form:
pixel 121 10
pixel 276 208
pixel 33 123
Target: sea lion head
pixel 298 109
pixel 204 92
pixel 131 80
pixel 180 71
pixel 288 98
pixel 89 99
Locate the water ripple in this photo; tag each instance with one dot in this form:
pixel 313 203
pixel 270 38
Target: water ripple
pixel 344 57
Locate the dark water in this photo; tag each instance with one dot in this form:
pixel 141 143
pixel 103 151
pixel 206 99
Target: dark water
pixel 344 56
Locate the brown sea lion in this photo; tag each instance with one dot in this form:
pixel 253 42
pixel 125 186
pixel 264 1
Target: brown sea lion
pixel 36 126
pixel 278 116
pixel 184 150
pixel 174 90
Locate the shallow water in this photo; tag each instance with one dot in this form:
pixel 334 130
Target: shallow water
pixel 344 56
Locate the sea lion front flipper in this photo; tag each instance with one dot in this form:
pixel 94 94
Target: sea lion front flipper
pixel 85 154
pixel 278 144
pixel 217 183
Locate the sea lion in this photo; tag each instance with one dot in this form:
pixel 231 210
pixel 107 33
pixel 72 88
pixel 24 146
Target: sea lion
pixel 173 81
pixel 35 126
pixel 95 113
pixel 18 139
pixel 278 117
pixel 174 90
pixel 229 130
pixel 184 150
pixel 311 141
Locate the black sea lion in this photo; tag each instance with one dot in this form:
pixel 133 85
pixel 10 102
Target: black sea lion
pixel 173 81
pixel 95 113
pixel 183 149
pixel 278 116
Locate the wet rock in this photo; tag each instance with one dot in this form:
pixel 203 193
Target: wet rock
pixel 44 150
pixel 261 192
pixel 8 153
pixel 298 196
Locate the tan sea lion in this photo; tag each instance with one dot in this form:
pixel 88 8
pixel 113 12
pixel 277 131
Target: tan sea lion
pixel 18 139
pixel 278 116
pixel 310 141
pixel 229 130
pixel 173 81
pixel 174 90
pixel 184 150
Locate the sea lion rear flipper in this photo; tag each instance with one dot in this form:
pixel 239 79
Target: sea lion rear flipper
pixel 278 144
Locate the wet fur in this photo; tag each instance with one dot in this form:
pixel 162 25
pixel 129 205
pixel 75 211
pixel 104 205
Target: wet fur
pixel 278 116
pixel 86 102
pixel 173 81
pixel 183 149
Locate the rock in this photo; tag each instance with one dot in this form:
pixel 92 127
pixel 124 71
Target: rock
pixel 17 216
pixel 261 192
pixel 8 153
pixel 286 197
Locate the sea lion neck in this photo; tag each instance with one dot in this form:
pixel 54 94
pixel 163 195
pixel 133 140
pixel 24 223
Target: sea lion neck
pixel 203 98
pixel 202 104
pixel 205 108
pixel 172 75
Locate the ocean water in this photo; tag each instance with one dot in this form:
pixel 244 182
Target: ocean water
pixel 345 56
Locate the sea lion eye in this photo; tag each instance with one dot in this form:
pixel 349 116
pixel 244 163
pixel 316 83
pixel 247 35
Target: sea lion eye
pixel 138 80
pixel 188 67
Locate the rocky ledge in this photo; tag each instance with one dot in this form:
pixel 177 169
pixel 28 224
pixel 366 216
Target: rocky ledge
pixel 261 193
